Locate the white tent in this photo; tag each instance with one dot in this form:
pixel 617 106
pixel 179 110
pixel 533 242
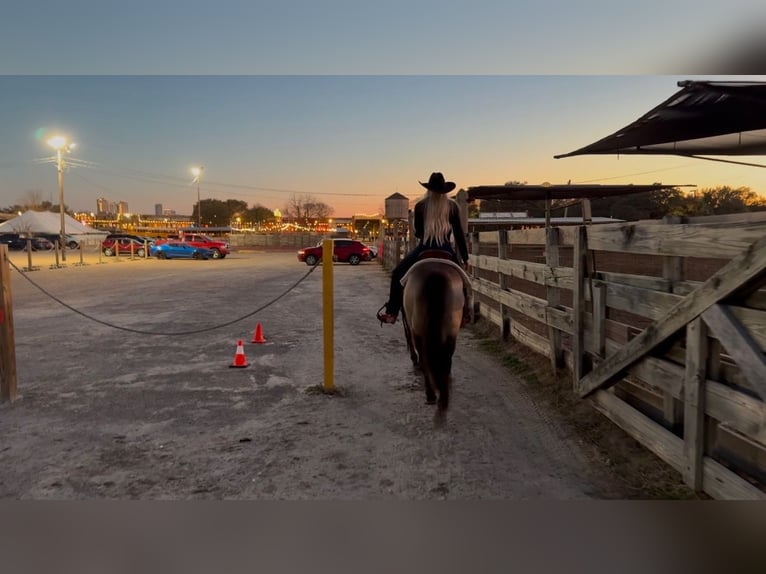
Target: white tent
pixel 33 222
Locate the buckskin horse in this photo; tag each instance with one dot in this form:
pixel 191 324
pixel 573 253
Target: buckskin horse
pixel 432 314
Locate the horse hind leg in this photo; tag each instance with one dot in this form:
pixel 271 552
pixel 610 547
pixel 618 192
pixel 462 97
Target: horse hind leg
pixel 410 344
pixel 425 366
pixel 442 374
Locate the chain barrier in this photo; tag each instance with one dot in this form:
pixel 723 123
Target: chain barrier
pixel 165 334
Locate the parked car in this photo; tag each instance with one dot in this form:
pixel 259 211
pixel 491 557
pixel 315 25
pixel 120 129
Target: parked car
pixel 220 248
pixel 140 238
pixel 123 246
pixel 71 242
pixel 13 241
pixel 344 250
pixel 180 249
pixel 373 250
pixel 18 242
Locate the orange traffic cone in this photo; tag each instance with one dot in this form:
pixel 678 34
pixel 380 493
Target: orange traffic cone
pixel 240 361
pixel 258 335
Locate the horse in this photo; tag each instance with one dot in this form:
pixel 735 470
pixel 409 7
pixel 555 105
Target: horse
pixel 432 312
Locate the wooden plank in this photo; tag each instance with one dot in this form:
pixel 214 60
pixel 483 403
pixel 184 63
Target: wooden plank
pixel 485 237
pixel 530 339
pixel 741 218
pixel 539 273
pixel 644 302
pixel 532 236
pixel 654 437
pixel 748 265
pixel 694 403
pixel 722 484
pixel 641 281
pixel 533 307
pixel 8 390
pixel 675 240
pixel 490 314
pixel 739 345
pixel 754 320
pixel 737 410
pixel 553 295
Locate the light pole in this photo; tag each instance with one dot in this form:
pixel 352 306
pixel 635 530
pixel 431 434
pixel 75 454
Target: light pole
pixel 197 173
pixel 60 144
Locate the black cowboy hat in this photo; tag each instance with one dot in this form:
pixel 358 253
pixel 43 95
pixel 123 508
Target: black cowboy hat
pixel 437 184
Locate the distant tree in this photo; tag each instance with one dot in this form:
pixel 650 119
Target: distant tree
pixel 32 199
pixel 306 207
pixel 258 214
pixel 722 200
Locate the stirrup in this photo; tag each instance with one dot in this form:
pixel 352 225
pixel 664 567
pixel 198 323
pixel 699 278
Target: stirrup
pixel 387 318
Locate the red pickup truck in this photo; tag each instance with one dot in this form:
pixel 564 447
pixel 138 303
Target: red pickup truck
pixel 220 248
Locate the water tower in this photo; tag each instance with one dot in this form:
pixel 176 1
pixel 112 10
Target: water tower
pixel 397 214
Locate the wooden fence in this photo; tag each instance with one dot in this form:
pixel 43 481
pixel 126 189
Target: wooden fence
pixel 662 324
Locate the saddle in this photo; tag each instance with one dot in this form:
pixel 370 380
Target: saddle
pixel 442 257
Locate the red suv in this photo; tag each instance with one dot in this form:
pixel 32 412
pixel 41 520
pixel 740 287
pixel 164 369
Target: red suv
pixel 344 250
pixel 220 249
pixel 123 245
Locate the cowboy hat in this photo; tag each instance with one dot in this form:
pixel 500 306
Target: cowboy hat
pixel 437 184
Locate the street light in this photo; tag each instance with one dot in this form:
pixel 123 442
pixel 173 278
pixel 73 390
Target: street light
pixel 197 173
pixel 60 144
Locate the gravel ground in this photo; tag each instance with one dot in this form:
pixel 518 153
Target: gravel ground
pixel 107 413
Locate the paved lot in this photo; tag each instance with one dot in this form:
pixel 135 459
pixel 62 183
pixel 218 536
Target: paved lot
pixel 108 412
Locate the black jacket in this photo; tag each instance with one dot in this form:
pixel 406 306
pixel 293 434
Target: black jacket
pixel 454 220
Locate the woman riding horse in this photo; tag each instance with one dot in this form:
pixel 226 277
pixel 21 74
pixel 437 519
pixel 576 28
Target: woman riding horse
pixel 437 217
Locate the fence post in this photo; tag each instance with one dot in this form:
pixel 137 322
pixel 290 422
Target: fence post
pixel 7 339
pixel 580 264
pixel 475 250
pixel 553 294
pixel 694 403
pixel 673 272
pixel 504 282
pixel 599 319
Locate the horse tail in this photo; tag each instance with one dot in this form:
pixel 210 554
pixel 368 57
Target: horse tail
pixel 440 345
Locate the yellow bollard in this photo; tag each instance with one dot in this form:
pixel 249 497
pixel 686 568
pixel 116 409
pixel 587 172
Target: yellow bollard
pixel 328 313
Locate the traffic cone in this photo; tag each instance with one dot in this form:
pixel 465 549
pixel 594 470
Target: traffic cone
pixel 258 335
pixel 240 361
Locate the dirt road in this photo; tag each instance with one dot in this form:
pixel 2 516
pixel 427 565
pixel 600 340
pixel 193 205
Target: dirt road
pixel 109 413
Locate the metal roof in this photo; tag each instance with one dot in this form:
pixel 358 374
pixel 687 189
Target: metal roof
pixel 537 221
pixel 703 118
pixel 565 191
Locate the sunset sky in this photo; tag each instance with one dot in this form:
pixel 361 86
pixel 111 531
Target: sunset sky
pixel 347 101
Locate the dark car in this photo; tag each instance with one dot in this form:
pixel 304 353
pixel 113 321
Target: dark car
pixel 13 241
pixel 344 250
pixel 18 242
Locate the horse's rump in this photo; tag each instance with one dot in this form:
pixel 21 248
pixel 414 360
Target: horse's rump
pixel 433 309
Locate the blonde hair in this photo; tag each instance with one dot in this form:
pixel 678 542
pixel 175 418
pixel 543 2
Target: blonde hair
pixel 436 225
